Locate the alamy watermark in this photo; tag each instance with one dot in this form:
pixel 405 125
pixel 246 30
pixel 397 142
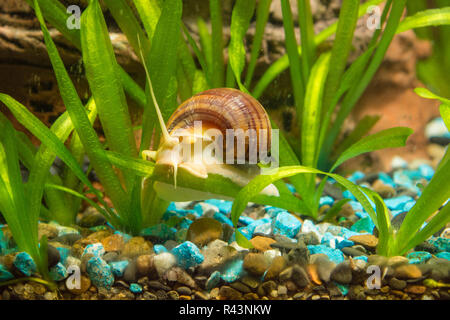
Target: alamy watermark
pixel 73 21
pixel 374 20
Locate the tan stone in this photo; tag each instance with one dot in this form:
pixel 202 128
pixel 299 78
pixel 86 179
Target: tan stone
pixel 113 243
pixel 367 240
pixel 262 243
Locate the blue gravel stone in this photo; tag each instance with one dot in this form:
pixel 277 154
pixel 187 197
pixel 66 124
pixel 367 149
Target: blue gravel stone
pixel 219 216
pixel 356 176
pixel 202 207
pixel 135 288
pixel 213 280
pixel 25 264
pixel 363 258
pixel 441 244
pixel 95 249
pixel 159 248
pixel 343 288
pixel 185 223
pixel 356 206
pixel 160 231
pixel 100 273
pixel 125 236
pixel 402 179
pixel 223 205
pixel 233 271
pixel 309 226
pixel 291 187
pixel 418 257
pixel 347 194
pixel 334 255
pixel 265 228
pixel 409 205
pixel 188 255
pixel 118 267
pixel 363 225
pixel 341 231
pixel 329 240
pixel 426 171
pixel 58 272
pixel 443 255
pixel 386 179
pixel 397 203
pixel 5 275
pixel 63 254
pixel 286 224
pixel 343 243
pixel 246 220
pixel 413 174
pixel 361 214
pixel 251 227
pixel 273 211
pixel 327 200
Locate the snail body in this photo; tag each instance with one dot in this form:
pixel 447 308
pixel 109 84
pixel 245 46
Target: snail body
pixel 205 121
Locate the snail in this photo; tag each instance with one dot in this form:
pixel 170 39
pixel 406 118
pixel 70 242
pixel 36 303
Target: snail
pixel 219 131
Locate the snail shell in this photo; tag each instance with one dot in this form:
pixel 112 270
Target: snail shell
pixel 221 109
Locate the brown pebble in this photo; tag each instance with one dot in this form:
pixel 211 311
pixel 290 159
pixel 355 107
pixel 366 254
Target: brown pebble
pixel 278 264
pixel 136 246
pixel 113 243
pixel 239 286
pixel 262 243
pixel 204 230
pixel 144 265
pixel 408 271
pixel 385 289
pixel 366 240
pixel 228 293
pixel 251 296
pixel 85 284
pixel 185 298
pixel 255 263
pixel 200 295
pixel 416 289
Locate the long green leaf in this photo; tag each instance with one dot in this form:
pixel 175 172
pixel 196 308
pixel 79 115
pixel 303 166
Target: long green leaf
pixel 240 21
pixel 342 46
pixel 389 138
pixel 312 110
pixel 215 7
pixel 306 24
pixel 260 182
pixel 262 15
pixel 427 18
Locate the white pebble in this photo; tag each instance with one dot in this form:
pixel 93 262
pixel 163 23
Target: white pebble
pixel 164 261
pixel 271 254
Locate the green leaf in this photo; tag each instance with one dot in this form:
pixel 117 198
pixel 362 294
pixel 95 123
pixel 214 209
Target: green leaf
pixel 104 82
pixel 215 9
pixel 242 240
pixel 361 129
pixel 306 24
pixel 312 110
pixel 427 94
pixel 240 21
pixel 348 17
pixel 444 110
pixel 255 186
pixel 262 15
pixel 296 72
pixel 389 138
pixel 433 196
pixel 426 18
pixel 334 210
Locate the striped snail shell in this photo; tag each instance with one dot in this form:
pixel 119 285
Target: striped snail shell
pixel 220 109
pixel 223 109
